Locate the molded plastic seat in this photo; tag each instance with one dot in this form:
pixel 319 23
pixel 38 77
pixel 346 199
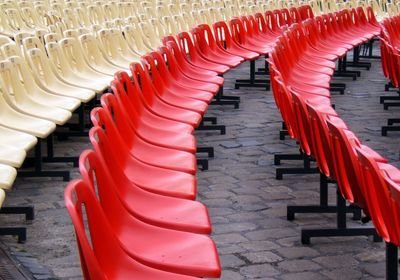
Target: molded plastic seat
pixel 73 53
pixel 11 137
pixel 149 153
pixel 129 122
pixel 136 99
pixel 61 66
pixel 172 91
pixel 18 82
pixel 50 81
pixel 7 178
pixel 94 55
pixel 169 212
pixel 174 248
pixel 12 155
pixel 158 106
pixel 104 257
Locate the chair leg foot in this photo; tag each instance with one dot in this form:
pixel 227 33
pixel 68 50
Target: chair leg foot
pixel 18 231
pixel 208 150
pixel 203 163
pixel 307 234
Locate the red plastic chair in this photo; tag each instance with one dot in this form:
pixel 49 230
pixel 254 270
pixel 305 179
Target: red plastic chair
pixel 174 248
pixel 184 62
pixel 159 210
pixel 203 48
pixel 154 134
pixel 149 177
pixel 143 149
pixel 187 48
pixel 103 257
pixel 155 104
pixel 136 99
pixel 225 41
pixel 187 79
pixel 173 92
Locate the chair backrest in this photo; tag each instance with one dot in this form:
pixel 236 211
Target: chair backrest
pixel 346 166
pixel 32 43
pixel 382 207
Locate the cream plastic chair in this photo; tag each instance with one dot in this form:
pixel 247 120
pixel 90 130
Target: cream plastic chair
pixel 11 49
pixel 7 178
pixel 70 19
pixel 26 97
pixel 94 55
pixel 149 37
pixel 135 40
pixel 111 50
pixel 50 81
pixel 73 52
pixel 11 137
pixel 32 43
pixel 122 45
pixel 31 18
pixel 17 22
pixel 13 119
pixel 96 14
pixel 83 18
pixel 111 11
pixel 60 65
pixel 126 9
pixel 52 38
pixel 11 155
pixel 6 28
pixel 5 40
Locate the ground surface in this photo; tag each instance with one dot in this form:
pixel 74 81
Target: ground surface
pixel 246 204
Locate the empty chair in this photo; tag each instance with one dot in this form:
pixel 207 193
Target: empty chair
pixel 73 53
pixel 50 81
pixel 171 212
pixel 94 56
pixel 104 257
pixel 17 81
pixel 60 65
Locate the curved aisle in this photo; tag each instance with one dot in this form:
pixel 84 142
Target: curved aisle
pixel 248 206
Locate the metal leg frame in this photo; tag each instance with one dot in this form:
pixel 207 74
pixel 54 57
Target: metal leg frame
pixel 356 60
pixel 343 72
pixel 265 70
pixel 323 206
pixel 207 150
pixel 338 87
pixel 50 154
pixel 369 47
pixel 38 167
pixel 382 99
pixel 391 261
pixel 221 128
pixel 18 231
pixel 253 82
pixel 203 163
pixel 341 229
pixel 306 169
pixel 221 99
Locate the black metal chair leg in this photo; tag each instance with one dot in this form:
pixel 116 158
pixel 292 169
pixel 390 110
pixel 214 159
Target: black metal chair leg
pixel 392 261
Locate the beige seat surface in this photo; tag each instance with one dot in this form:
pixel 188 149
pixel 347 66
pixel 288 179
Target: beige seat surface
pixel 16 138
pixel 12 155
pixel 62 67
pixel 50 81
pixel 2 194
pixel 16 81
pixel 37 93
pixel 96 59
pixel 13 119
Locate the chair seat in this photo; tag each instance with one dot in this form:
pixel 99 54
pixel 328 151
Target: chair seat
pixel 12 155
pixel 13 137
pixel 391 171
pixel 2 197
pixel 7 177
pixel 163 157
pixel 148 245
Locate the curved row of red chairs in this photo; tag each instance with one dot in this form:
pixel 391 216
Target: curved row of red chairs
pixel 138 187
pixel 301 66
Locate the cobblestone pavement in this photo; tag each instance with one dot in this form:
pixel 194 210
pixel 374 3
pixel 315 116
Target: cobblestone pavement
pixel 247 205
